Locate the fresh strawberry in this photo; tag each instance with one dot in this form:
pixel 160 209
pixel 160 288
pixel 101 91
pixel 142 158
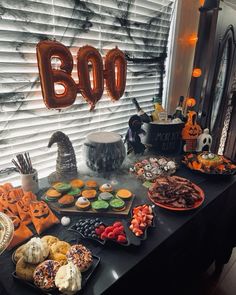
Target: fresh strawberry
pixel 122 239
pixel 103 236
pixel 117 224
pixel 108 229
pixel 111 235
pixel 98 231
pixel 102 228
pixel 121 228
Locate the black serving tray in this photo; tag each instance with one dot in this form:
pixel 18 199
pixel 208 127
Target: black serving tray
pixel 85 278
pixel 131 239
pixel 144 235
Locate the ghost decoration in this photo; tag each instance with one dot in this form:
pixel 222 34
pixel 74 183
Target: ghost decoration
pixel 204 141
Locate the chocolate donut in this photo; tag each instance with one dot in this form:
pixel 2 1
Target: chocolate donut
pixel 80 256
pixel 45 273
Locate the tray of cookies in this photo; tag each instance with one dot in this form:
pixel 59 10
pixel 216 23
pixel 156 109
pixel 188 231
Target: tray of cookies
pixel 54 267
pixel 89 197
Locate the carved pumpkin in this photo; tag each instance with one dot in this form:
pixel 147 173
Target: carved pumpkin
pixel 190 132
pixel 42 217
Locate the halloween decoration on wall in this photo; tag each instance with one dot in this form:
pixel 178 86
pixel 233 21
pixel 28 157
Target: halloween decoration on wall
pixel 132 137
pixel 88 55
pixel 21 232
pixel 204 141
pixel 46 50
pixel 190 132
pixel 104 151
pixel 115 73
pixel 6 232
pixel 42 216
pixel 66 167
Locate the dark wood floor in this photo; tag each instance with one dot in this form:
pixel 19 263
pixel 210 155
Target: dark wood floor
pixel 225 284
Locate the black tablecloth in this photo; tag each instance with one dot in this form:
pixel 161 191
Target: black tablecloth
pixel 181 245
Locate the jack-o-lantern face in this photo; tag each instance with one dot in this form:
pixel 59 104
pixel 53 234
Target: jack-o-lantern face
pixel 191 129
pixel 16 222
pixel 41 210
pixel 23 206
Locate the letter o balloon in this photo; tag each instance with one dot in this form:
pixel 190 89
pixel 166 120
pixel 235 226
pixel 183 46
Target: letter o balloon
pixel 46 50
pixel 89 56
pixel 115 73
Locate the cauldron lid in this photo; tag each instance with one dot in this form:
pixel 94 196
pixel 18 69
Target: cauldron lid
pixel 103 137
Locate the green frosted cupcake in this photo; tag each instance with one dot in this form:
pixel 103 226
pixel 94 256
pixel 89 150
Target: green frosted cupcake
pixel 117 204
pixel 62 187
pixel 100 205
pixel 76 192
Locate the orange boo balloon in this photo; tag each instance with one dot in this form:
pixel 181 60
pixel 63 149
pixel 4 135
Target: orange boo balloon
pixel 88 54
pixel 48 76
pixel 115 81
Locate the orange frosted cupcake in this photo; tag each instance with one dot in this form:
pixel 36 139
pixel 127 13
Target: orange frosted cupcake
pixel 77 183
pixel 89 193
pixel 52 195
pixel 106 187
pixel 124 194
pixel 91 184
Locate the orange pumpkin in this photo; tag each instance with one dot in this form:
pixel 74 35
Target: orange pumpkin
pixel 42 217
pixel 190 132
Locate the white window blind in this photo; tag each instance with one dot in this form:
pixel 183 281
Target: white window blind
pixel 138 27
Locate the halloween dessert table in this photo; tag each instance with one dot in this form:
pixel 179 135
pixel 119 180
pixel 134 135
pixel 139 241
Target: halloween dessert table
pixel 180 244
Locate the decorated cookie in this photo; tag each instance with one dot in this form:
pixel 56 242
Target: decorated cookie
pixel 52 195
pixel 25 270
pixel 76 192
pixel 66 201
pixel 106 187
pixel 124 194
pixel 77 183
pixel 50 240
pixel 105 196
pixel 62 187
pixel 91 184
pixel 58 251
pixel 100 205
pixel 117 204
pixel 89 193
pixel 82 203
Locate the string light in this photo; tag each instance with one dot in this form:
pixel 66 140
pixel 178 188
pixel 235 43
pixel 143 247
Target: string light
pixel 190 102
pixel 202 2
pixel 192 39
pixel 197 72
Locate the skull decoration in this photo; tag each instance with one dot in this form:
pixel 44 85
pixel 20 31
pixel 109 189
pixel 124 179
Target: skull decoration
pixel 204 141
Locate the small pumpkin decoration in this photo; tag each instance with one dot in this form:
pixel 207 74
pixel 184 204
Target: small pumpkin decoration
pixel 190 132
pixel 42 217
pixel 21 232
